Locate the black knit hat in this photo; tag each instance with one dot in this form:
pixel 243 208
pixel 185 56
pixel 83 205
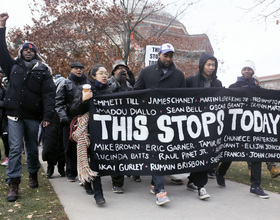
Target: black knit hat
pixel 30 46
pixel 77 64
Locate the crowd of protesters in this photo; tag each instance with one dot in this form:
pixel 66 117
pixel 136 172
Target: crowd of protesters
pixel 34 101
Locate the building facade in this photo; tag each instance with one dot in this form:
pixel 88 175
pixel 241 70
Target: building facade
pixel 167 29
pixel 270 82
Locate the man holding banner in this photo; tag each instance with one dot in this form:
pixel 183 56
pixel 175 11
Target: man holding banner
pixel 246 80
pixel 206 77
pixel 163 74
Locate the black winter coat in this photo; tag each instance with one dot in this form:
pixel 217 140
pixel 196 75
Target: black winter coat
pixel 65 94
pixel 198 79
pixel 31 92
pixel 53 150
pixel 78 107
pixel 117 87
pixel 153 77
pixel 241 82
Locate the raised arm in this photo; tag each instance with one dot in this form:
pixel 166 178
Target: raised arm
pixel 6 61
pixel 3 18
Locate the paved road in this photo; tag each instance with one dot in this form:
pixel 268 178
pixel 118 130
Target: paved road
pixel 233 202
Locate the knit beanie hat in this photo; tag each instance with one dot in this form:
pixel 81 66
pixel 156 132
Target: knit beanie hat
pixel 248 63
pixel 30 46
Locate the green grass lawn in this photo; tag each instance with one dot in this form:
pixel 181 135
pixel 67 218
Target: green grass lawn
pixel 39 203
pixel 239 172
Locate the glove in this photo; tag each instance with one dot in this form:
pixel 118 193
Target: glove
pixel 120 78
pixel 64 121
pixel 131 79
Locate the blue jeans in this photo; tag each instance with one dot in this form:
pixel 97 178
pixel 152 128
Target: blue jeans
pixel 22 130
pixel 157 182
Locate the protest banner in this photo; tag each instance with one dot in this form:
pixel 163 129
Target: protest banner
pixel 169 131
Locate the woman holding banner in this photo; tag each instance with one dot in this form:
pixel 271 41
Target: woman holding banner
pixel 98 77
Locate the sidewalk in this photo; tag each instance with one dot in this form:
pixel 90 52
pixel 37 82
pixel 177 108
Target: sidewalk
pixel 233 202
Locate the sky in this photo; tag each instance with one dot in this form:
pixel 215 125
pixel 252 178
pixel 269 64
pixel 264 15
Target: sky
pixel 234 35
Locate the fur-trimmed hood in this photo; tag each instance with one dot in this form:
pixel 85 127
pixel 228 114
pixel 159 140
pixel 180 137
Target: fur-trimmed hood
pixel 37 57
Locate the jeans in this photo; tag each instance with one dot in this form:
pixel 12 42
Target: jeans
pixel 27 130
pixel 256 170
pixel 157 182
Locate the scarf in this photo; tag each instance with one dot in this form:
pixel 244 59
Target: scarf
pixel 99 85
pixel 81 135
pixel 30 64
pixel 80 80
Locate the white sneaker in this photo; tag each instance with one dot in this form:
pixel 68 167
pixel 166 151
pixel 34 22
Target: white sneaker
pixel 202 194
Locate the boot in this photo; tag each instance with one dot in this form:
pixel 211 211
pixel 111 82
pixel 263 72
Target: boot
pixel 13 194
pixel 33 180
pixel 274 172
pixel 98 192
pixel 88 188
pixel 50 170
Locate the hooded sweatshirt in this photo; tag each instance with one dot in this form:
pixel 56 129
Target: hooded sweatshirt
pixel 199 80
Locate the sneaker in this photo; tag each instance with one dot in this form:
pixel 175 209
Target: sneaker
pixel 258 191
pixel 202 194
pixel 5 162
pixel 220 180
pixel 192 187
pixel 177 181
pixel 161 198
pixel 117 189
pixel 137 179
pixel 71 179
pixel 211 174
pixel 152 190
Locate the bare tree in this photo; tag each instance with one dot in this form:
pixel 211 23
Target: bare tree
pixel 133 13
pixel 265 10
pixel 95 31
